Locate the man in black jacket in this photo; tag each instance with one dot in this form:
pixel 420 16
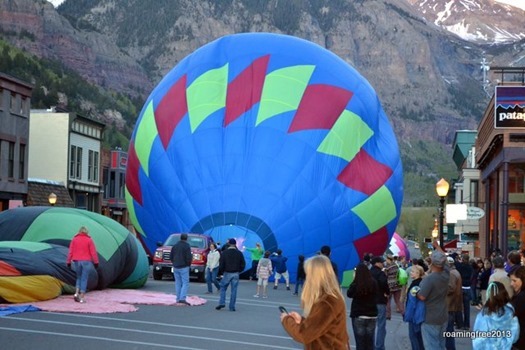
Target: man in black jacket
pixel 180 257
pixel 382 298
pixel 465 270
pixel 231 264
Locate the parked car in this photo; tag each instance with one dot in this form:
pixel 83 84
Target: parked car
pixel 200 247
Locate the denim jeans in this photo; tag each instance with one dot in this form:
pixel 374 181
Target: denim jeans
pixel 416 338
pixel 473 293
pixel 466 307
pixel 380 327
pixel 450 342
pixel 364 331
pixel 182 282
pixel 433 338
pixel 211 278
pixel 298 282
pixel 82 270
pixel 227 279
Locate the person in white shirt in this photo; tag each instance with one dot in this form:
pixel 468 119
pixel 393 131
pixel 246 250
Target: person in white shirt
pixel 212 268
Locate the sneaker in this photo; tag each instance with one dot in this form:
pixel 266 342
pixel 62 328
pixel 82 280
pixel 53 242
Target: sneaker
pixel 287 288
pixel 265 297
pixel 77 298
pixel 232 309
pixel 218 307
pixel 256 296
pixel 208 292
pixel 183 302
pixel 274 287
pixel 81 300
pixel 294 293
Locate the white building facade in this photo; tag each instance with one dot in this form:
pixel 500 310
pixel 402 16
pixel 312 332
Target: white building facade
pixel 66 147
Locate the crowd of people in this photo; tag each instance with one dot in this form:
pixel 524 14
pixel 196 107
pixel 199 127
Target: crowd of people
pixel 436 300
pixel 434 296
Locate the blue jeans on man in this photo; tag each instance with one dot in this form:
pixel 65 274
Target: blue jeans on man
pixel 380 327
pixel 433 337
pixel 227 279
pixel 453 317
pixel 466 307
pixel 211 278
pixel 364 329
pixel 182 282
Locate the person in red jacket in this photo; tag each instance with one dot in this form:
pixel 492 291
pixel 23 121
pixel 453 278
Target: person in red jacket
pixel 83 253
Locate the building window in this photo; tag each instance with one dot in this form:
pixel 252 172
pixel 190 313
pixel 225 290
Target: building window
pixel 23 105
pixel 11 160
pixel 93 166
pixel 112 184
pixel 79 163
pixel 75 162
pixel 22 162
pixel 12 103
pixel 516 180
pixel 90 166
pixel 72 161
pixel 121 186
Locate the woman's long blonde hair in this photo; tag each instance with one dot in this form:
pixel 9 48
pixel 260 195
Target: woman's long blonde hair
pixel 320 280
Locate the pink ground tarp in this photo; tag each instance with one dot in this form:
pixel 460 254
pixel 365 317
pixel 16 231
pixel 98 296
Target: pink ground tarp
pixel 111 301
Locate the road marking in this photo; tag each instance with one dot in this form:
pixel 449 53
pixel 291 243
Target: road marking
pixel 113 319
pixel 251 343
pixel 97 338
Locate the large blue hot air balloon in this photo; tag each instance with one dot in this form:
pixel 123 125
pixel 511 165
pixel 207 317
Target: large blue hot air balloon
pixel 266 138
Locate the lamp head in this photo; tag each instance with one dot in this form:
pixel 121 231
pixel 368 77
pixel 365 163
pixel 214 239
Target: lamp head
pixel 442 187
pixel 52 198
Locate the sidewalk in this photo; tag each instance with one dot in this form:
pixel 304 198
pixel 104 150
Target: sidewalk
pixel 397 333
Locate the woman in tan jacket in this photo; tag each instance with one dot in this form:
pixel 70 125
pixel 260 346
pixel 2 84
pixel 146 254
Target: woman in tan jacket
pixel 323 325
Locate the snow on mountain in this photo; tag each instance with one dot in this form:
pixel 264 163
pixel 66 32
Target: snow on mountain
pixel 516 3
pixel 484 21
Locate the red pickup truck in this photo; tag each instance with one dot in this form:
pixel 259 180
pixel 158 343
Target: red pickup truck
pixel 200 247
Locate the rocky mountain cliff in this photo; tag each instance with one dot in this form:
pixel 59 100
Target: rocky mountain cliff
pixel 429 80
pixel 36 27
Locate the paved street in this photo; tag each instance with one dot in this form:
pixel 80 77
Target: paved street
pixel 255 325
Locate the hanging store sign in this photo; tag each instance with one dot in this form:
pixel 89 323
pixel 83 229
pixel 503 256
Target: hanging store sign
pixel 475 213
pixel 509 107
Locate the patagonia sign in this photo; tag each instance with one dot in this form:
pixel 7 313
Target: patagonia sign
pixel 509 107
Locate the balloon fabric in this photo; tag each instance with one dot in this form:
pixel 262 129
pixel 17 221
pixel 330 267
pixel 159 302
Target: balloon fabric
pixel 266 138
pixel 34 243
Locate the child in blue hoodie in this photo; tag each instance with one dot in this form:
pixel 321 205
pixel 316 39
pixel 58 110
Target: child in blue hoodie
pixel 415 309
pixel 497 319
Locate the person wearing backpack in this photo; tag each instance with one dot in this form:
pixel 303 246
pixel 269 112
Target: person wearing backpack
pixel 392 270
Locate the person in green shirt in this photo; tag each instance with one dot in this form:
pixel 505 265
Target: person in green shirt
pixel 256 255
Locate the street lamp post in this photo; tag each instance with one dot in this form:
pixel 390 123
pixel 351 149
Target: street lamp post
pixel 442 187
pixel 52 198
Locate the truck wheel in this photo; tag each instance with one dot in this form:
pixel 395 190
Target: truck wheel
pixel 157 276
